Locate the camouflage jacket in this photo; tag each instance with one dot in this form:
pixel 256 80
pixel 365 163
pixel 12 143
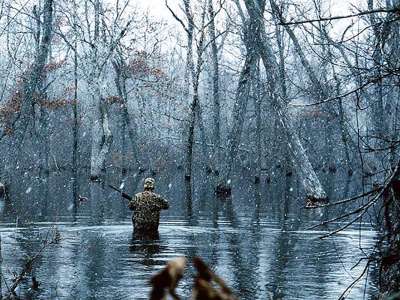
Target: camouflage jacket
pixel 146 208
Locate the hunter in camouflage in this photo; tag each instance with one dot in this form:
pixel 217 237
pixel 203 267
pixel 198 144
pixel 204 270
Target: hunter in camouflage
pixel 146 208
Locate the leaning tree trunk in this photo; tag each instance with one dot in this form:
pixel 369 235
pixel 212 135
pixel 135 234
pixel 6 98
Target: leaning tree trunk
pixel 319 90
pixel 309 179
pixel 239 112
pixel 241 99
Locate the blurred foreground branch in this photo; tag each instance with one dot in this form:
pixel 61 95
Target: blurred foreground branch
pixel 52 237
pixel 207 285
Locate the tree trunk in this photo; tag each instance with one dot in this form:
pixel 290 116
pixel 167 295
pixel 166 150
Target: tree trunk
pixel 251 30
pixel 101 133
pixel 1 266
pixel 101 137
pixel 203 138
pixel 42 123
pixel 120 83
pixel 379 129
pixel 215 87
pixel 124 161
pixel 388 245
pixel 195 110
pixel 257 95
pixel 75 132
pixel 189 148
pixel 309 179
pixel 19 122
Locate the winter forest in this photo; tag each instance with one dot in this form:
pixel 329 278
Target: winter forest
pixel 271 127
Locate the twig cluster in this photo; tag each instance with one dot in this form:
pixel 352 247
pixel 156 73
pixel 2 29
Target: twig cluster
pixel 52 237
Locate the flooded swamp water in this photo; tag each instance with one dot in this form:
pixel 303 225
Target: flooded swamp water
pixel 261 248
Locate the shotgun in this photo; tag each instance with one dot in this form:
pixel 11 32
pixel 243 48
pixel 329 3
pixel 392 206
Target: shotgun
pixel 124 195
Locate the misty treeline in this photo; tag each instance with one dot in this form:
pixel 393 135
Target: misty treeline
pixel 277 88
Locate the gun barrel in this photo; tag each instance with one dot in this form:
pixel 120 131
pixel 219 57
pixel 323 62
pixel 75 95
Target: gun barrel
pixel 124 195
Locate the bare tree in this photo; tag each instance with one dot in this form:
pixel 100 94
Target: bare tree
pixel 101 47
pixel 251 28
pixel 195 110
pixel 25 96
pixel 309 179
pixel 122 74
pixel 215 85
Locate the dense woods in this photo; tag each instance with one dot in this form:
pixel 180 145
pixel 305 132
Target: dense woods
pixel 268 87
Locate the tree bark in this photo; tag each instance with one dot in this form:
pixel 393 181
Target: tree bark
pixel 20 120
pixel 120 83
pixel 195 110
pixel 309 179
pixel 257 95
pixel 101 137
pixel 215 87
pixel 377 104
pixel 75 132
pixel 101 134
pixel 251 29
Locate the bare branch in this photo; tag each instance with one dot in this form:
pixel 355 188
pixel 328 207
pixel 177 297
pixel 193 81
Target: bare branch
pixel 176 17
pixel 381 10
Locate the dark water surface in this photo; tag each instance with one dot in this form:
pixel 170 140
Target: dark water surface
pixel 262 259
pixel 257 241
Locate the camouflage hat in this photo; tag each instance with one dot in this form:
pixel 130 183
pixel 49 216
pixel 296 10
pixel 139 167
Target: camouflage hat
pixel 149 183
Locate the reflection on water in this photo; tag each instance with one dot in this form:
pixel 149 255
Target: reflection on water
pixel 256 240
pixel 260 259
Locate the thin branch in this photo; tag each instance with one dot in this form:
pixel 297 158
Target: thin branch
pixel 348 199
pixel 361 87
pixel 342 296
pixel 176 17
pixel 362 208
pixel 29 263
pixel 381 10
